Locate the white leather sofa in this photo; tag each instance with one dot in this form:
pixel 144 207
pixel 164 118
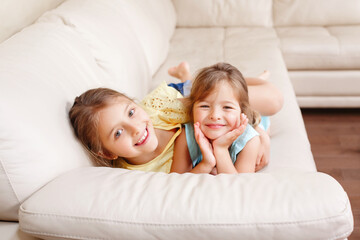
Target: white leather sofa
pixel 49 188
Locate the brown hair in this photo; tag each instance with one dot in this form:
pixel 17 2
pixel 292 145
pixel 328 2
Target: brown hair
pixel 84 117
pixel 207 79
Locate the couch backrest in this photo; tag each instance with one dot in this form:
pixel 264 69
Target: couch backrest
pixel 80 45
pixel 221 13
pixel 316 12
pixel 17 14
pixel 266 13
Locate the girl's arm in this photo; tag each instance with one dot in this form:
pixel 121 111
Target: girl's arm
pixel 223 161
pixel 264 149
pixel 182 160
pixel 246 159
pixel 264 97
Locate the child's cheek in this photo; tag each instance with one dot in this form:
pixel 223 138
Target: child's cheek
pixel 235 120
pixel 197 116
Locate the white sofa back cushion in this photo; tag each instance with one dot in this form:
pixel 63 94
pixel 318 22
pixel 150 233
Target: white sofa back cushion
pixel 40 75
pixel 221 13
pixel 318 13
pixel 152 23
pixel 17 14
pixel 81 45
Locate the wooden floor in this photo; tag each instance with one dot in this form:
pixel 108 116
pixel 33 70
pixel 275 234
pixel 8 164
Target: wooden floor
pixel 334 136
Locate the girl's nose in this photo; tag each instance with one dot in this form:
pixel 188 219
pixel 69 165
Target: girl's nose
pixel 134 129
pixel 215 115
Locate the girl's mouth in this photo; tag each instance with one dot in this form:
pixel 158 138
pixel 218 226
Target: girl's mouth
pixel 143 139
pixel 214 126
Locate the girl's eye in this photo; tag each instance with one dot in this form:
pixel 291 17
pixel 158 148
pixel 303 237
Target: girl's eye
pixel 131 112
pixel 228 107
pixel 204 106
pixel 118 133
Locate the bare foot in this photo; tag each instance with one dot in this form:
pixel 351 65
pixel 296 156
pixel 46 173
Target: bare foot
pixel 265 75
pixel 182 71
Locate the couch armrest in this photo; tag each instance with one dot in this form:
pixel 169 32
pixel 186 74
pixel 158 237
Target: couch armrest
pixel 105 203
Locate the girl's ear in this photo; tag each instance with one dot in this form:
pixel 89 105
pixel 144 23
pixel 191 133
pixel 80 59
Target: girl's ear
pixel 107 156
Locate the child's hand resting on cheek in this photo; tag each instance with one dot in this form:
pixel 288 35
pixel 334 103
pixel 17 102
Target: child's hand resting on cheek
pixel 204 145
pixel 227 139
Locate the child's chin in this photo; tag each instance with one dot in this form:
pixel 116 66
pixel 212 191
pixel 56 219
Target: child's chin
pixel 212 136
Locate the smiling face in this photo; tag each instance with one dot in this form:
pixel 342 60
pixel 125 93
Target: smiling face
pixel 125 130
pixel 219 112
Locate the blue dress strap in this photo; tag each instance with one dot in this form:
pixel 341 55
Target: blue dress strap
pixel 265 122
pixel 193 147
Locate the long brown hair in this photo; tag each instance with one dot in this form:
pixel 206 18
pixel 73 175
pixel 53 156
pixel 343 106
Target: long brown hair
pixel 84 117
pixel 207 79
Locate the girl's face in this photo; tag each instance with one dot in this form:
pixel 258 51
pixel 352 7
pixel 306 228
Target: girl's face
pixel 219 112
pixel 125 130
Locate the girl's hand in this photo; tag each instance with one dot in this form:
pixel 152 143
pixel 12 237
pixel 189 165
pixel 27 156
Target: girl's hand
pixel 205 146
pixel 264 151
pixel 227 139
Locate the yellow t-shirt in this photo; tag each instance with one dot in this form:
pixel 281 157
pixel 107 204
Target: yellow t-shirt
pixel 166 112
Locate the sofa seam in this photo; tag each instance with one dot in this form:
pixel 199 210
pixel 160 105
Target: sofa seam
pixel 62 235
pixel 206 225
pixel 188 226
pixel 94 238
pixel 87 219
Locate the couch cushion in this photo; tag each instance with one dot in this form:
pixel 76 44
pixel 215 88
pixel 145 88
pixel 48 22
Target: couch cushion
pixel 320 47
pixel 316 13
pixel 40 75
pixel 338 83
pixel 220 13
pixel 329 102
pixel 154 23
pixel 252 50
pixel 342 88
pixel 107 203
pixel 13 18
pixel 192 45
pixel 42 69
pixel 151 23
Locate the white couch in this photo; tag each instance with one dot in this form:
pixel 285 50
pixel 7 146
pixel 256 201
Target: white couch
pixel 47 181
